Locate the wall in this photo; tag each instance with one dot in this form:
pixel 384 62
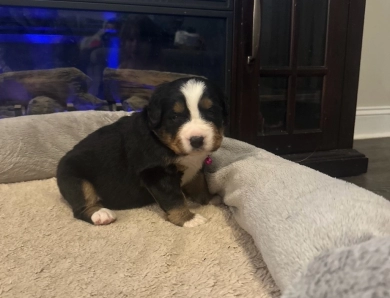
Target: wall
pixel 373 111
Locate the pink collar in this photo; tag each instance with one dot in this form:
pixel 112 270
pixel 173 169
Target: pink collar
pixel 208 161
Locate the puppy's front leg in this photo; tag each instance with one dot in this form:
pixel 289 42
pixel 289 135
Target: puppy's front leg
pixel 164 185
pixel 197 189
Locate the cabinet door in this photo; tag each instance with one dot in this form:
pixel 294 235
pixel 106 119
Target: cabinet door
pixel 289 96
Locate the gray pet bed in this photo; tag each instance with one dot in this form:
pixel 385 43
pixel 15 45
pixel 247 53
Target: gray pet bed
pixel 311 229
pixel 319 236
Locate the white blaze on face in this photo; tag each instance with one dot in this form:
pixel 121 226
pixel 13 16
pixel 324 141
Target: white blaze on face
pixel 197 127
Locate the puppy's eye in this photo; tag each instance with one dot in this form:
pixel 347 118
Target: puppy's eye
pixel 209 113
pixel 174 117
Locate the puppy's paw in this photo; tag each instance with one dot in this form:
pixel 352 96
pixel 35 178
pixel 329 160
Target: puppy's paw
pixel 197 220
pixel 216 200
pixel 103 217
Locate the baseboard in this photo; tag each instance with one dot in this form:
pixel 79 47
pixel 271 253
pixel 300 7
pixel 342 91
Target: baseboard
pixel 372 122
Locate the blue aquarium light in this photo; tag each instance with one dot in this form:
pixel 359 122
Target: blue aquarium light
pixel 37 38
pixel 113 57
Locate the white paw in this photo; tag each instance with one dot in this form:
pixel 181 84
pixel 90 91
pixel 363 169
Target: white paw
pixel 216 200
pixel 103 217
pixel 196 221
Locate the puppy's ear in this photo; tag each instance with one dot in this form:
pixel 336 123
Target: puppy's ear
pixel 154 114
pixel 154 108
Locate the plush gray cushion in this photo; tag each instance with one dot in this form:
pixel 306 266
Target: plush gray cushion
pixel 31 146
pixel 358 271
pixel 292 212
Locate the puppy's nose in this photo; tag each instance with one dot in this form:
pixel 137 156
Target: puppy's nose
pixel 196 142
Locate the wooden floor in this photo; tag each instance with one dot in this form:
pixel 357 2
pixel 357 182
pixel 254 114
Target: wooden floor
pixel 377 179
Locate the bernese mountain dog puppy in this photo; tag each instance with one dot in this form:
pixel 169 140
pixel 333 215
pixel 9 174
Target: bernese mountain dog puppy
pixel 156 155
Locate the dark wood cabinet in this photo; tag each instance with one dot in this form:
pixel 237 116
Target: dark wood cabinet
pixel 297 98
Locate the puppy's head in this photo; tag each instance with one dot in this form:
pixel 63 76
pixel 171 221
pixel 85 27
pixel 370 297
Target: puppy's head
pixel 188 115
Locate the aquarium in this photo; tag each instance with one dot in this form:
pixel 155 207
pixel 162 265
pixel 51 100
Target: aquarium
pixel 57 60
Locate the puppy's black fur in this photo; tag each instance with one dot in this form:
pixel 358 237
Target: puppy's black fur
pixel 141 159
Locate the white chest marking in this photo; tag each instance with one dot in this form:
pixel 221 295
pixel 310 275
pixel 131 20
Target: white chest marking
pixel 192 163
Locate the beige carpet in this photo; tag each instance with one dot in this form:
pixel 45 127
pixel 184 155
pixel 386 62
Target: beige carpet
pixel 44 252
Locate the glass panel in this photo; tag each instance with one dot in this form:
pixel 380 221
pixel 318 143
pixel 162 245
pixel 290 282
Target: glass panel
pixel 308 103
pixel 312 28
pixel 194 3
pixel 53 60
pixel 275 33
pixel 273 104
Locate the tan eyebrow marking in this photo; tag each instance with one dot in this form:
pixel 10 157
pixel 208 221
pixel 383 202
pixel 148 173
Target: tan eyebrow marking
pixel 178 107
pixel 206 103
